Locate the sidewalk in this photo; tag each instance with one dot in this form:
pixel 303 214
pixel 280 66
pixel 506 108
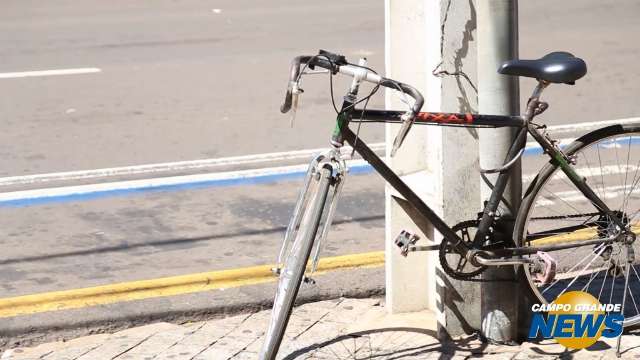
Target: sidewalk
pixel 333 329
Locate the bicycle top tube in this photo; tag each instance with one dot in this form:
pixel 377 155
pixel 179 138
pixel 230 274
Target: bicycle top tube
pixel 439 118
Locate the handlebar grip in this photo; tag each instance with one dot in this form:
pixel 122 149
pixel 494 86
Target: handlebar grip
pixel 293 76
pixel 286 106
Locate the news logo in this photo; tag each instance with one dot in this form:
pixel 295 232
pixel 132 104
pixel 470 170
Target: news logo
pixel 576 320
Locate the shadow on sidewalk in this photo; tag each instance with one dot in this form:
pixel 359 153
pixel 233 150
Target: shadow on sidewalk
pixel 388 343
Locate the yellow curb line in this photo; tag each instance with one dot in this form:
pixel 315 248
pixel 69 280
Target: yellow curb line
pixel 168 286
pixel 584 234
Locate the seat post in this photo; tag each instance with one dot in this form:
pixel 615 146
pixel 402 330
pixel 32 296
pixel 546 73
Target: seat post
pixel 533 104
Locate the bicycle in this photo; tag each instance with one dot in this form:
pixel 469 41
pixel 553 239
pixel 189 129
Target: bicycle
pixel 571 232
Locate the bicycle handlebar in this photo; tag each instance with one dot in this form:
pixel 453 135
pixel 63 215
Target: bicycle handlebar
pixel 293 77
pixel 407 89
pixel 338 64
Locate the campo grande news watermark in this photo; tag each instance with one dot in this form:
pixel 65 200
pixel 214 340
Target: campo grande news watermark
pixel 576 320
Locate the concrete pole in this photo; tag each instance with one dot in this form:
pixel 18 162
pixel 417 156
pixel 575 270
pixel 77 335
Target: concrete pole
pixel 411 36
pixel 430 45
pixel 498 94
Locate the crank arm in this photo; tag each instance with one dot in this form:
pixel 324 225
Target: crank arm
pixel 500 262
pixel 423 248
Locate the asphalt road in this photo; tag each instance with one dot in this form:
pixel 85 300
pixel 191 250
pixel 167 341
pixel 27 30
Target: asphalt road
pixel 198 79
pixel 180 81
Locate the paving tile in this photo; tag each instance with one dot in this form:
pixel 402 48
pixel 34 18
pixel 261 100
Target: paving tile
pixel 156 344
pixel 246 355
pixel 226 347
pixel 348 311
pixel 247 332
pixel 525 355
pixel 316 335
pixel 77 347
pixel 216 354
pixel 323 330
pixel 123 341
pixel 33 353
pixel 201 336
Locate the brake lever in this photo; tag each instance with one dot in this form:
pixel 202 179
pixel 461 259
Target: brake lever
pixel 295 98
pixel 408 119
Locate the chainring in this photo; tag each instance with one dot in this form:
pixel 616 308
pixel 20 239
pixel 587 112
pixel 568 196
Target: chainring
pixel 461 268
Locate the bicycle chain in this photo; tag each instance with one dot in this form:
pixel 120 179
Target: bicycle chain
pixel 564 216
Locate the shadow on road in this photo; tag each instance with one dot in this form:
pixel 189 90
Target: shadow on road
pixel 169 242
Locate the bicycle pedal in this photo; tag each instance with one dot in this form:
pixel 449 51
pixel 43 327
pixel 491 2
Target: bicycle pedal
pixel 404 240
pixel 548 271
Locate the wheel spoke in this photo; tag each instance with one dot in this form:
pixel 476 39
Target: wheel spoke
pixel 626 173
pixel 601 190
pixel 585 268
pixel 559 213
pixel 632 298
pixel 595 275
pixel 601 173
pixel 604 281
pixel 613 279
pixel 574 266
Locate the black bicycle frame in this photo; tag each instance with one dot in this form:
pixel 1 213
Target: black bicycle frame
pixel 442 119
pixel 465 120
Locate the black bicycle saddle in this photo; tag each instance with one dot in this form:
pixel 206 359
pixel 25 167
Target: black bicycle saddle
pixel 556 67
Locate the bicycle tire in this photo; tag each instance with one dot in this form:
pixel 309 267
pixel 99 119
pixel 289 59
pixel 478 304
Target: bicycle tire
pixel 294 267
pixel 538 183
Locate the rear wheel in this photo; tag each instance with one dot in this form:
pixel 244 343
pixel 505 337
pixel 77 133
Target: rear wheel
pixel 554 211
pixel 295 263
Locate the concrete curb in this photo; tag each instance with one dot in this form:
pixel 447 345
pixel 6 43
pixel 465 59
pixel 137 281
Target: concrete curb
pixel 169 286
pixel 32 329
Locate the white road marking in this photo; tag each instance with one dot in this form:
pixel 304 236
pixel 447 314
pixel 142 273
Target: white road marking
pixel 24 196
pixel 591 172
pixel 22 74
pixel 245 159
pixel 235 177
pixel 588 126
pixel 574 196
pixel 171 166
